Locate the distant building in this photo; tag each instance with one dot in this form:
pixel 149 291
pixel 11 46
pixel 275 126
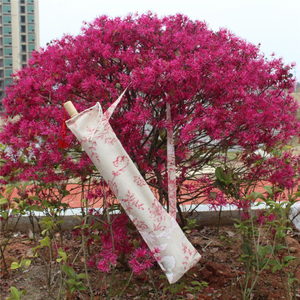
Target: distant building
pixel 19 36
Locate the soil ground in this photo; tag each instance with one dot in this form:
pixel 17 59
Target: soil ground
pixel 219 267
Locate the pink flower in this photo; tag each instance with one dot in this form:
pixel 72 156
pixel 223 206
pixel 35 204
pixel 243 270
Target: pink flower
pixel 141 260
pixel 108 260
pixel 271 217
pixel 245 215
pixel 104 266
pixel 91 263
pixel 219 199
pixel 263 216
pixel 261 219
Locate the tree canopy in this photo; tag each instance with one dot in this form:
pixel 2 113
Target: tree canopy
pixel 223 93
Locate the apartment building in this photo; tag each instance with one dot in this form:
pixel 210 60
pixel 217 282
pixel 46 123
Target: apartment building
pixel 19 36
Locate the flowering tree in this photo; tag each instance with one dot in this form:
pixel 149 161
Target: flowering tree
pixel 223 93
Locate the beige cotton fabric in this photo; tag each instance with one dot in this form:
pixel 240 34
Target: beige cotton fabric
pixel 174 253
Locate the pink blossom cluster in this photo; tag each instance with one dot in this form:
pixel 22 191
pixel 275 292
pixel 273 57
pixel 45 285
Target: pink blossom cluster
pixel 217 199
pixel 264 216
pixel 284 170
pixel 281 169
pixel 141 260
pixel 121 244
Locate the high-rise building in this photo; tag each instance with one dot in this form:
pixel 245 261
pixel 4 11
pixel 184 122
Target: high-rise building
pixel 19 36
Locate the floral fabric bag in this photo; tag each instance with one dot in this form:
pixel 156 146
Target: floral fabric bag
pixel 174 253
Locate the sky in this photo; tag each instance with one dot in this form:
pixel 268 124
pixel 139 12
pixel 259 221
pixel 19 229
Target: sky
pixel 272 23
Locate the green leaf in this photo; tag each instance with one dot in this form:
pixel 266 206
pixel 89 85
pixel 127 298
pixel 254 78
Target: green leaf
pixel 16 294
pixel 196 283
pixel 258 203
pixel 34 208
pixel 255 195
pixel 263 263
pixel 292 280
pixel 44 231
pixel 37 247
pixel 4 215
pixel 219 172
pixel 247 249
pixel 46 219
pixel 95 237
pixel 69 271
pixel 45 203
pixel 34 198
pixel 262 251
pixel 288 259
pixel 9 189
pixel 3 201
pixel 261 196
pixel 237 221
pixel 65 193
pixel 73 281
pixel 25 185
pixel 45 242
pixel 279 247
pixel 268 188
pixel 280 233
pixel 228 178
pixel 26 262
pixel 81 276
pixel 82 288
pixel 276 268
pixel 276 265
pixel 244 257
pixel 62 253
pixel 177 288
pixel 14 265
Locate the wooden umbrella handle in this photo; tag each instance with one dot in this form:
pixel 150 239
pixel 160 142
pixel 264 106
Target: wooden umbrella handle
pixel 70 108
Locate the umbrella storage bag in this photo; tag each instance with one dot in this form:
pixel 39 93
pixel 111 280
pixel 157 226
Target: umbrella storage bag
pixel 174 253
